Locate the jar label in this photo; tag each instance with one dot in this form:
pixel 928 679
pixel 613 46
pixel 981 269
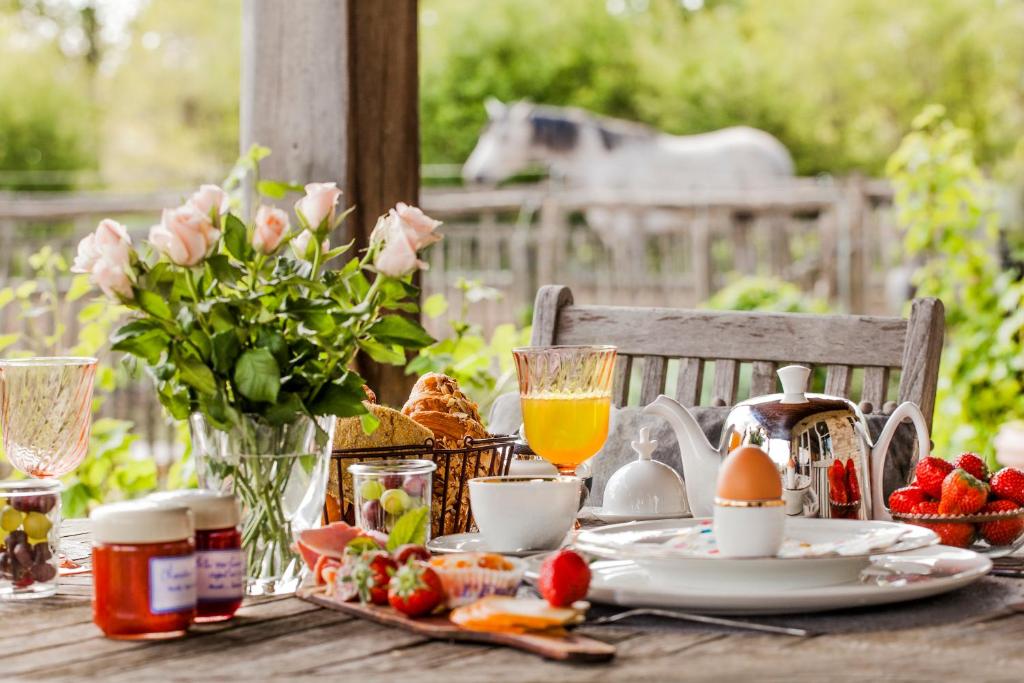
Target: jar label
pixel 172 584
pixel 221 574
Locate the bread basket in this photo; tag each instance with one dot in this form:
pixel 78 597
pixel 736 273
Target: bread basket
pixel 450 511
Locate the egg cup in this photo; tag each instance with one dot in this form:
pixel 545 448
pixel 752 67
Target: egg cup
pixel 749 528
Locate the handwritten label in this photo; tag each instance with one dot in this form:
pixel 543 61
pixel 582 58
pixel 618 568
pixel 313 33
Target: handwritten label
pixel 172 584
pixel 220 575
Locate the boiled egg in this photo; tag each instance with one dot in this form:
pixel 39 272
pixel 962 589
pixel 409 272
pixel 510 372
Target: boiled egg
pixel 749 474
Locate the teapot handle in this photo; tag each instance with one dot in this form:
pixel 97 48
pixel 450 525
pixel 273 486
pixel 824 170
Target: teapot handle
pixel 880 452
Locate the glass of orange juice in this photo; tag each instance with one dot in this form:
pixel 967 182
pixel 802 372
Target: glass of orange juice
pixel 566 394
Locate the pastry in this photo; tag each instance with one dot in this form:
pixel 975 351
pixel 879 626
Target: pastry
pixel 499 614
pixel 467 577
pixel 438 403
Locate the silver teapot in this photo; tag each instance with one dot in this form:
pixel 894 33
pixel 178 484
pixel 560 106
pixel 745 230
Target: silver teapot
pixel 821 445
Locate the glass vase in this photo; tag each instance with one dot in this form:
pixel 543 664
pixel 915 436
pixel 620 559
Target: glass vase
pixel 279 475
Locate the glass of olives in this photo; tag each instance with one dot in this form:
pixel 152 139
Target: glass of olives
pixel 30 523
pixel 388 490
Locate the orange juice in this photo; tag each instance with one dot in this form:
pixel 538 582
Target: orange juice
pixel 566 430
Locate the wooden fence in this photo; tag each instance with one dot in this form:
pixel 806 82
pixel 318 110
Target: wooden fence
pixel 835 240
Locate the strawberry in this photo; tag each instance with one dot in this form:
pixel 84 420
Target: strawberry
pixel 371 574
pixel 837 483
pixel 403 553
pixel 564 578
pixel 852 485
pixel 415 589
pixel 906 499
pixel 927 507
pixel 1003 531
pixel 962 494
pixel 957 534
pixel 974 465
pixel 929 475
pixel 1009 483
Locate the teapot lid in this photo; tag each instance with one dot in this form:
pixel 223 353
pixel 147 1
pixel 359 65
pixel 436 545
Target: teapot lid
pixel 779 414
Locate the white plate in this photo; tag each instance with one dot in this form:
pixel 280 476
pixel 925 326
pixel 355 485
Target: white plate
pixel 613 518
pixel 474 543
pixel 646 544
pixel 941 569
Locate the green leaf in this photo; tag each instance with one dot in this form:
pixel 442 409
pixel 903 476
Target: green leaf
pixel 288 405
pixel 383 353
pixel 196 374
pixel 369 423
pixel 80 286
pixel 226 348
pixel 274 342
pixel 258 376
pixel 153 303
pixel 343 398
pixel 221 268
pixel 236 237
pixel 275 189
pixel 396 329
pixel 142 338
pixel 435 306
pixel 410 528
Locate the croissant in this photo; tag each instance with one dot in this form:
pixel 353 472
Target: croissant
pixel 437 403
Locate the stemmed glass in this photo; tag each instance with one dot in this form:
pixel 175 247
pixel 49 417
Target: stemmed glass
pixel 566 395
pixel 46 418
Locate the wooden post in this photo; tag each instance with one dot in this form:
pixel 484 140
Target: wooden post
pixel 331 87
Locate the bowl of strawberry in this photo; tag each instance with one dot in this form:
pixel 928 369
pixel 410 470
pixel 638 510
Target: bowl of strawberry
pixel 964 504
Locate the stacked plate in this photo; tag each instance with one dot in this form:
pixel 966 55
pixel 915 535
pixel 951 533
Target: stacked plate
pixel 824 564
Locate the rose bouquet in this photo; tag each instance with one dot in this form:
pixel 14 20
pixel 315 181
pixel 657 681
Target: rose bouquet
pixel 247 332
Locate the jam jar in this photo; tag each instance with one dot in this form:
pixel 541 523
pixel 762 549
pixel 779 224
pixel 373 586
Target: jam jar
pixel 144 569
pixel 220 564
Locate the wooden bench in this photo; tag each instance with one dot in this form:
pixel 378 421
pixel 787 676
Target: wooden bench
pixel 650 339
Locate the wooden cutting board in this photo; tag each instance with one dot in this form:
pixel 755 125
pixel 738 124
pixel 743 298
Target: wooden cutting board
pixel 570 648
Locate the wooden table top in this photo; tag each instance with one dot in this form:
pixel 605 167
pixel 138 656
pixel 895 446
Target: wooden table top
pixel 288 639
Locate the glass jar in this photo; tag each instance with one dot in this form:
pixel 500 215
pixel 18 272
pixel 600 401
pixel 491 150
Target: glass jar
pixel 220 564
pixel 144 570
pixel 385 491
pixel 30 519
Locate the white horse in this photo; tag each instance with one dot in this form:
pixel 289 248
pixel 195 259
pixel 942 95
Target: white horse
pixel 593 152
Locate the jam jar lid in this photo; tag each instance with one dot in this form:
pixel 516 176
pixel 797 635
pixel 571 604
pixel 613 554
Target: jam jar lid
pixel 141 521
pixel 210 509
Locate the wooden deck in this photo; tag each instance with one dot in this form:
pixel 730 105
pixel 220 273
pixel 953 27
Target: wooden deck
pixel 287 639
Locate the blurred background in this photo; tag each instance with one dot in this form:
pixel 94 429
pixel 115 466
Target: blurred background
pixel 903 122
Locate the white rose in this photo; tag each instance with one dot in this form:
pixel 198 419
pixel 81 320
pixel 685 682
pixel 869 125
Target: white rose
pixel 185 235
pixel 318 204
pixel 209 198
pixel 271 227
pixel 113 279
pixel 404 231
pixel 300 246
pixel 110 240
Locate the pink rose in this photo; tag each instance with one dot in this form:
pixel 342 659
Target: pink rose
pixel 209 198
pixel 185 235
pixel 404 231
pixel 106 255
pixel 271 227
pixel 318 204
pixel 110 240
pixel 113 279
pixel 300 246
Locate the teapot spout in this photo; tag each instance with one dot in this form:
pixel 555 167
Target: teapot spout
pixel 700 459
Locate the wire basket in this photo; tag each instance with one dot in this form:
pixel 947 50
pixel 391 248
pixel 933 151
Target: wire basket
pixel 450 511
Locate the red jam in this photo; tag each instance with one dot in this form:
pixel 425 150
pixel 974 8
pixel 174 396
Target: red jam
pixel 144 590
pixel 220 573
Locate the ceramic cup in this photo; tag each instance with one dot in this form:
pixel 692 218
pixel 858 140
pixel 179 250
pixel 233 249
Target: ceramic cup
pixel 800 502
pixel 526 512
pixel 749 531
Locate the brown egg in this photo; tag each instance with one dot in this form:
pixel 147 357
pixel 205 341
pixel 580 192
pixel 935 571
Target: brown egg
pixel 749 474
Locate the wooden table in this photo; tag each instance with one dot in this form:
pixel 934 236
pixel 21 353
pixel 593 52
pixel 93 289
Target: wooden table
pixel 288 639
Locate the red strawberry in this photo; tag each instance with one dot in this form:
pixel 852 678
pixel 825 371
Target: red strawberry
pixel 957 534
pixel 564 578
pixel 906 499
pixel 973 464
pixel 852 485
pixel 415 589
pixel 927 507
pixel 962 494
pixel 1009 483
pixel 929 475
pixel 1004 531
pixel 837 483
pixel 371 573
pixel 403 553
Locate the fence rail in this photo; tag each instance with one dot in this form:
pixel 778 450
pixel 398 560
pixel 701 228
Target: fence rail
pixel 833 239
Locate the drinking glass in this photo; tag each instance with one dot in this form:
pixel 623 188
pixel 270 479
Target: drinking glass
pixel 46 413
pixel 566 395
